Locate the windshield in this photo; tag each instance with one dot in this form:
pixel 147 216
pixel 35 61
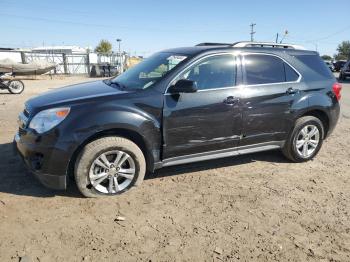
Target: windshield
pixel 149 71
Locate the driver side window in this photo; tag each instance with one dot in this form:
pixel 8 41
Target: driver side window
pixel 212 72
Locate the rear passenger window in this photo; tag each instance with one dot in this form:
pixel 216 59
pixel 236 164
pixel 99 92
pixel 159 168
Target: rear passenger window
pixel 267 69
pixel 291 75
pixel 315 63
pixel 263 69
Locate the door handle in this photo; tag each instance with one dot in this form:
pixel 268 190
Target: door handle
pixel 292 91
pixel 231 100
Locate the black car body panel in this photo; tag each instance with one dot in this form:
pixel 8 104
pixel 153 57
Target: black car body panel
pixel 270 105
pixel 198 122
pixel 177 128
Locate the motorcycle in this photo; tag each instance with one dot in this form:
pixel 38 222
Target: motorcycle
pixel 12 85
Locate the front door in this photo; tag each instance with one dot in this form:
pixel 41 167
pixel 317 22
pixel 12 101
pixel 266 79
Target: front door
pixel 208 119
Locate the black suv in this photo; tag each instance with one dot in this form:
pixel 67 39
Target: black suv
pixel 180 106
pixel 345 71
pixel 339 65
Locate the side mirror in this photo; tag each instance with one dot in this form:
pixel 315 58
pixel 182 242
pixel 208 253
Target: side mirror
pixel 183 86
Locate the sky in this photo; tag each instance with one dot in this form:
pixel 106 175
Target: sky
pixel 149 26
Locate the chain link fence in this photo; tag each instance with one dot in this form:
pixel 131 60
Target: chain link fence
pixel 71 64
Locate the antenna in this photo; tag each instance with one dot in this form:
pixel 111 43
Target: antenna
pixel 252 32
pixel 284 36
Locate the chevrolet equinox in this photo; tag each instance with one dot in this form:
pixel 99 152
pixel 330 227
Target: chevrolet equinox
pixel 179 106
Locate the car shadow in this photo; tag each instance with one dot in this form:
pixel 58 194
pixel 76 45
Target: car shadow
pixel 16 180
pixel 5 92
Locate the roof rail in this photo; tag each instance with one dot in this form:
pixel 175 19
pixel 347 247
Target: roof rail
pixel 255 44
pixel 213 44
pixel 267 44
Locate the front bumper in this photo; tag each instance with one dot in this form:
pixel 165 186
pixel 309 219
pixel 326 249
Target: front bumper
pixel 42 162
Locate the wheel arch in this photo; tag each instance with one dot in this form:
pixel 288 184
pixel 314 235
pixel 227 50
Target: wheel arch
pixel 320 114
pixel 132 135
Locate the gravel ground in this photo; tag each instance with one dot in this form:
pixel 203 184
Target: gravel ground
pixel 257 207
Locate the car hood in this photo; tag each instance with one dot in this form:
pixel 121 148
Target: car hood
pixel 73 93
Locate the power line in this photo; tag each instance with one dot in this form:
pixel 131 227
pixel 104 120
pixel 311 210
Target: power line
pixel 321 39
pixel 35 6
pixel 252 32
pixel 330 35
pixel 58 21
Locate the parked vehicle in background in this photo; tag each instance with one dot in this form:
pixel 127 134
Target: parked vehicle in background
pixel 338 65
pixel 330 65
pixel 345 71
pixel 180 106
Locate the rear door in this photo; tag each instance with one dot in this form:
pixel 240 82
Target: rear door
pixel 208 119
pixel 271 86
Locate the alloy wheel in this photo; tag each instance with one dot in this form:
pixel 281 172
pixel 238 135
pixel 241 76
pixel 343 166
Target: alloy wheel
pixel 112 171
pixel 307 141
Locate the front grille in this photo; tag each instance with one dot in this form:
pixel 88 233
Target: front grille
pixel 22 120
pixel 21 131
pixel 26 112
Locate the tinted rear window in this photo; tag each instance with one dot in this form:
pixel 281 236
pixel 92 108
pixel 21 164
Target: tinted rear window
pixel 315 63
pixel 291 75
pixel 263 69
pixel 267 69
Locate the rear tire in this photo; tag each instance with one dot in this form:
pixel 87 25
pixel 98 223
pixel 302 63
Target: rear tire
pixel 109 166
pixel 305 141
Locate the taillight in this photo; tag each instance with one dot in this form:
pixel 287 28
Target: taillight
pixel 336 90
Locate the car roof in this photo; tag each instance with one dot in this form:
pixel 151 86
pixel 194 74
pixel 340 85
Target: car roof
pixel 195 50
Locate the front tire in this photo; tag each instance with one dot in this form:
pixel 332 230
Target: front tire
pixel 305 141
pixel 15 86
pixel 109 166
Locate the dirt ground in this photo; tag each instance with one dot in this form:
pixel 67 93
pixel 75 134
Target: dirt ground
pixel 257 207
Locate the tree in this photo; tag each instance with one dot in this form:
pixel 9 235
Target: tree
pixel 339 57
pixel 326 57
pixel 343 51
pixel 104 47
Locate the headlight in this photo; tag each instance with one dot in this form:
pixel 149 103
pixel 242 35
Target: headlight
pixel 47 119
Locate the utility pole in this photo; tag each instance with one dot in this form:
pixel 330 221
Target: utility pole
pixel 252 32
pixel 119 56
